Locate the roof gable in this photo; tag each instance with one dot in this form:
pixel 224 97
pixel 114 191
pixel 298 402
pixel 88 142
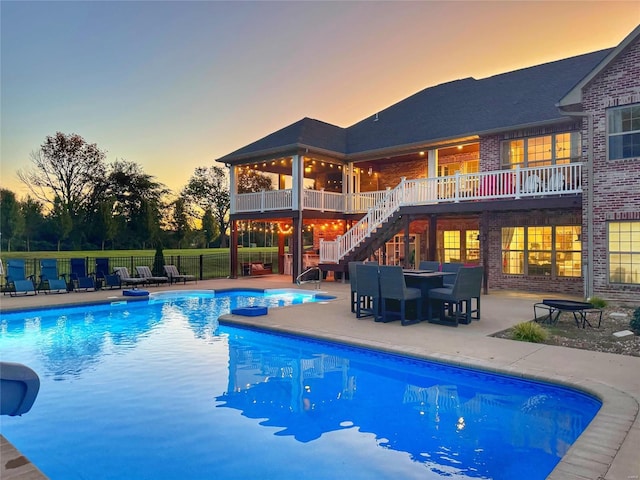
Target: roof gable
pixel 574 96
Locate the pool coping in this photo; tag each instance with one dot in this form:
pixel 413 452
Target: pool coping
pixel 607 449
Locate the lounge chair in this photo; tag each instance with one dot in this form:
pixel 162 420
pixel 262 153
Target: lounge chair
pixel 429 265
pixel 393 287
pixel 50 280
pixel 17 281
pixel 127 279
pixel 368 291
pixel 145 272
pixel 78 276
pixel 175 276
pixel 456 300
pixel 104 276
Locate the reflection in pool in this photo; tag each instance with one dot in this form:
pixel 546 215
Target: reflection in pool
pixel 160 390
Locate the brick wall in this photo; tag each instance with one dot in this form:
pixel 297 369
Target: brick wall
pixel 391 173
pixel 616 188
pixel 490 153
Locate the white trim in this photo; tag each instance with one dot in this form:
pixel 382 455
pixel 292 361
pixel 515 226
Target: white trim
pixel 574 96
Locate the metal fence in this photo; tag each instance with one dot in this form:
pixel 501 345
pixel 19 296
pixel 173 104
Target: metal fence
pixel 203 267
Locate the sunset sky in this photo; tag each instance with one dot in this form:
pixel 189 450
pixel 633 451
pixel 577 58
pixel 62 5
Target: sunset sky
pixel 175 85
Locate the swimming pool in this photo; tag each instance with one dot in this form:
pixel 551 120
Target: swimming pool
pixel 159 389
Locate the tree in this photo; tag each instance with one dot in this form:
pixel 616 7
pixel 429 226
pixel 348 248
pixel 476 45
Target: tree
pixel 137 201
pixel 64 170
pixel 208 188
pixel 11 221
pixel 158 261
pixel 180 222
pixel 60 222
pixel 209 227
pixel 104 225
pixel 252 181
pixel 31 211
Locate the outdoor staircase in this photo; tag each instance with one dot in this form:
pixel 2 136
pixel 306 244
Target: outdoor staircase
pixel 380 223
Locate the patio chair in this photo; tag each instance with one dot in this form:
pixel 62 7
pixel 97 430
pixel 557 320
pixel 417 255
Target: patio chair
pixel 451 267
pixel 393 287
pixel 78 277
pixel 476 294
pixel 17 281
pixel 430 265
pixel 145 272
pixel 175 276
pixel 368 291
pixel 104 276
pixel 456 300
pixel 127 279
pixel 353 282
pixel 556 182
pixel 531 184
pixel 50 280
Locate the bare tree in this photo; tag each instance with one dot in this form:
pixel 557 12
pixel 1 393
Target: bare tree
pixel 64 171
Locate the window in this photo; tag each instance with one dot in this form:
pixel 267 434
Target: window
pixel 552 149
pixel 568 252
pixel 472 246
pixel 539 250
pixel 549 251
pixel 513 250
pixel 451 246
pixel 624 252
pixel 624 132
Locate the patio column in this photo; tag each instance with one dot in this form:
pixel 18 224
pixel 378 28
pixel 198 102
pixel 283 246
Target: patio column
pixel 297 250
pixel 233 189
pixel 484 250
pixel 234 250
pixel 406 221
pixel 297 182
pixel 433 238
pixel 432 163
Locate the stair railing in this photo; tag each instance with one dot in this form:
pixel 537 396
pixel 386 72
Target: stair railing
pixel 375 216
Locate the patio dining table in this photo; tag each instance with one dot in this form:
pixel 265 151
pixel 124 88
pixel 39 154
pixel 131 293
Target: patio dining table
pixel 425 280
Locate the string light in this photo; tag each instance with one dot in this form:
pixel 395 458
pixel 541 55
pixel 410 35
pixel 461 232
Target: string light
pixel 288 229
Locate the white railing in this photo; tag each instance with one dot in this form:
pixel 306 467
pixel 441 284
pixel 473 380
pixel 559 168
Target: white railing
pixel 363 201
pixel 264 200
pixel 323 201
pixel 517 183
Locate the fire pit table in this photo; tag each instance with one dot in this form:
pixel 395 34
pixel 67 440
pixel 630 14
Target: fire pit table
pixel 554 307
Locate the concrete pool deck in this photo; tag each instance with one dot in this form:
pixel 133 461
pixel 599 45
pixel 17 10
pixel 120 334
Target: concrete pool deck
pixel 607 450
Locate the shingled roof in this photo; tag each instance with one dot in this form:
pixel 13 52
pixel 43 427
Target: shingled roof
pixel 455 109
pixel 303 134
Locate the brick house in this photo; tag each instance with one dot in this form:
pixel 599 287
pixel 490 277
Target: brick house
pixel 534 174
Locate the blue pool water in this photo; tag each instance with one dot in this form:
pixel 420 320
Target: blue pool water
pixel 161 390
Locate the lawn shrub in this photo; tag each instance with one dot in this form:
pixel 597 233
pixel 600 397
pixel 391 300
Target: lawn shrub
pixel 635 321
pixel 530 332
pixel 597 302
